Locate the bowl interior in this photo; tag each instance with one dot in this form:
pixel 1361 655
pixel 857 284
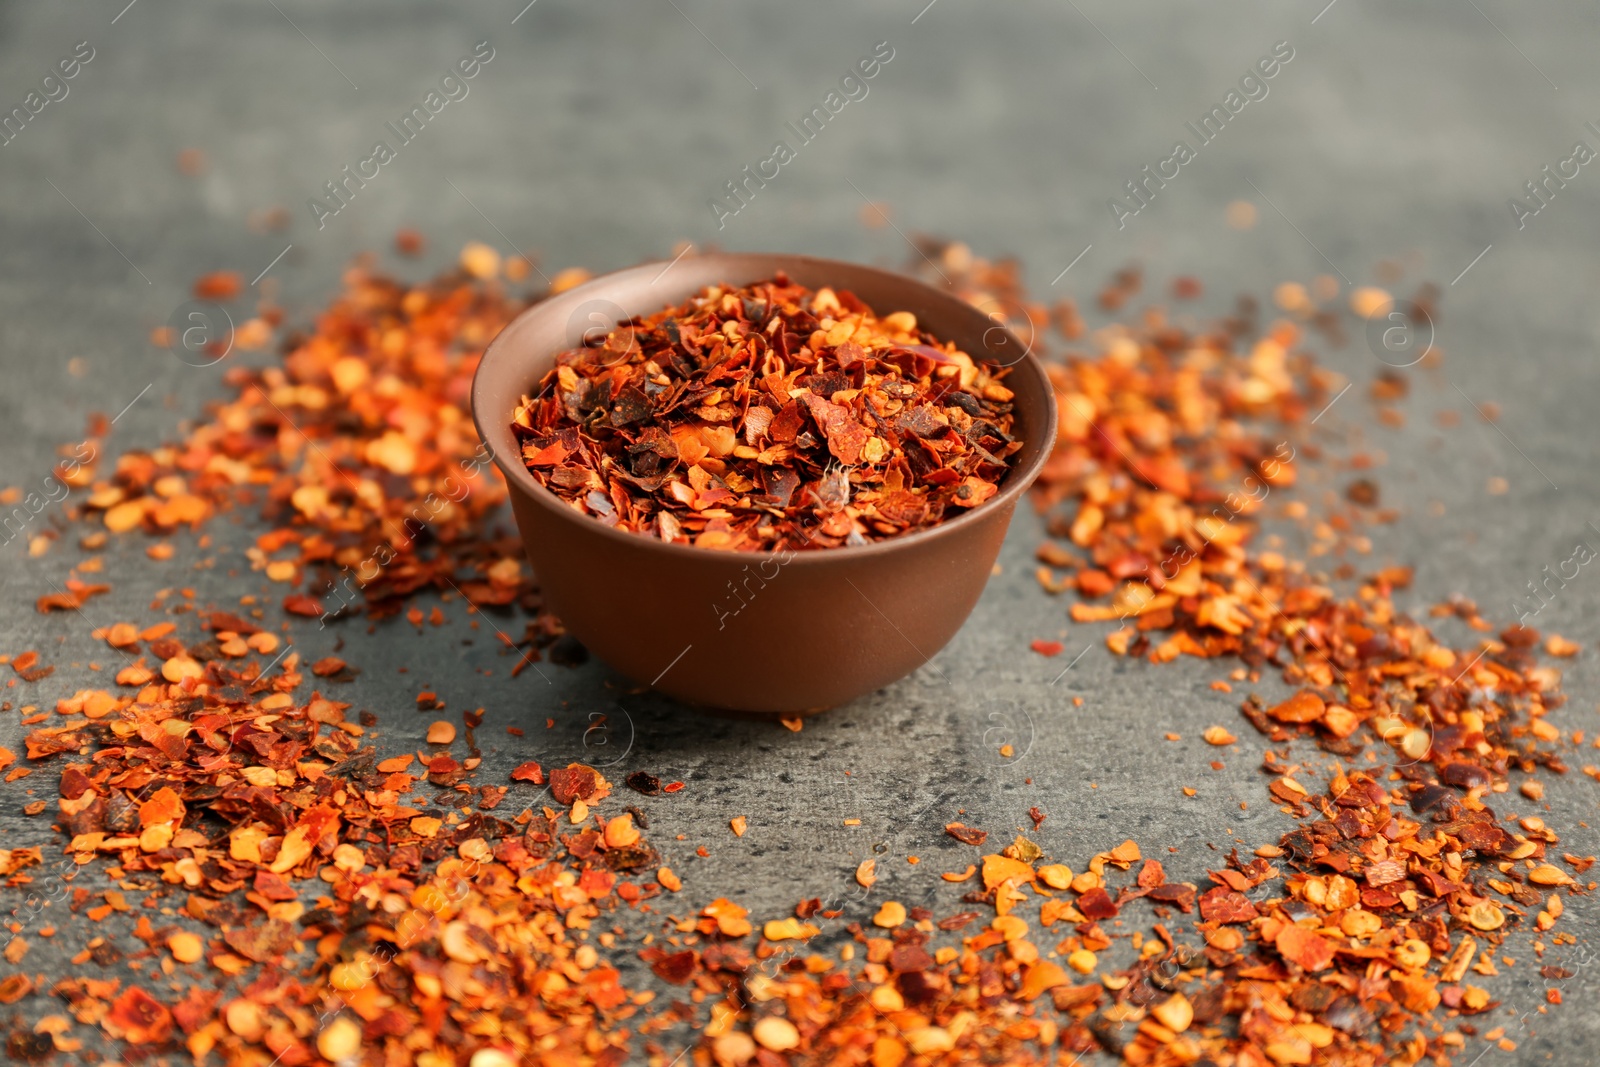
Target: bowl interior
pixel 526 349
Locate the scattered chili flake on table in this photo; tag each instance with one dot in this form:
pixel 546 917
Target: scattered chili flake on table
pixel 1162 461
pixel 357 445
pixel 769 417
pixel 347 907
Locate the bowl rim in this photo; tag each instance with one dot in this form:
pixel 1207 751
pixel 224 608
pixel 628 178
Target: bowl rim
pixel 498 352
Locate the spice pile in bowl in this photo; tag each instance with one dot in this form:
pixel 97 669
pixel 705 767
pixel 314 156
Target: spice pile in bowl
pixel 769 417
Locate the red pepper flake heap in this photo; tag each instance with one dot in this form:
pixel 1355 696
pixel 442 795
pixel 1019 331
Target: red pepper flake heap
pixel 359 902
pixel 770 417
pixel 358 445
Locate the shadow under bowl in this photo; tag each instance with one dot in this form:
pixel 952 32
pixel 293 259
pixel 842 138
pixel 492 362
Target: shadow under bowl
pixel 752 632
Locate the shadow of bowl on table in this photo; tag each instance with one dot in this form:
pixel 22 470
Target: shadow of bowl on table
pixel 746 633
pixel 919 722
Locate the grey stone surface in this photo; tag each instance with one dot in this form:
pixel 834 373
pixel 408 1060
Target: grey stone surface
pixel 596 136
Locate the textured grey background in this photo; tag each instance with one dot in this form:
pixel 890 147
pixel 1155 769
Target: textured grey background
pixel 596 136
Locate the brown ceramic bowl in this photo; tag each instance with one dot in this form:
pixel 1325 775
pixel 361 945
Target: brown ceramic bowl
pixel 824 628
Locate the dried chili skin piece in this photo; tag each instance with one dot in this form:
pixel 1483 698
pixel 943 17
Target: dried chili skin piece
pixel 1097 904
pixel 569 784
pixel 1226 906
pixel 967 835
pixel 769 418
pixel 644 782
pixel 1180 893
pixel 677 967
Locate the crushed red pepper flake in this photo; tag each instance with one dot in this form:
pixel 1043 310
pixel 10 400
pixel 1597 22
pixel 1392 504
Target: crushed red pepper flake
pixel 463 933
pixel 769 418
pixel 358 446
pixel 221 285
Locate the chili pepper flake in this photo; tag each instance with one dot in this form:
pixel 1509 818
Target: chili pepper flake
pixel 139 1019
pixel 677 967
pixel 1403 870
pixel 576 782
pixel 1226 906
pixel 1556 645
pixel 1304 707
pixel 222 285
pixel 725 917
pixel 1304 948
pixel 769 417
pixel 866 873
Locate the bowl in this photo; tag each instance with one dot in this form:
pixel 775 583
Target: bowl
pixel 755 633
